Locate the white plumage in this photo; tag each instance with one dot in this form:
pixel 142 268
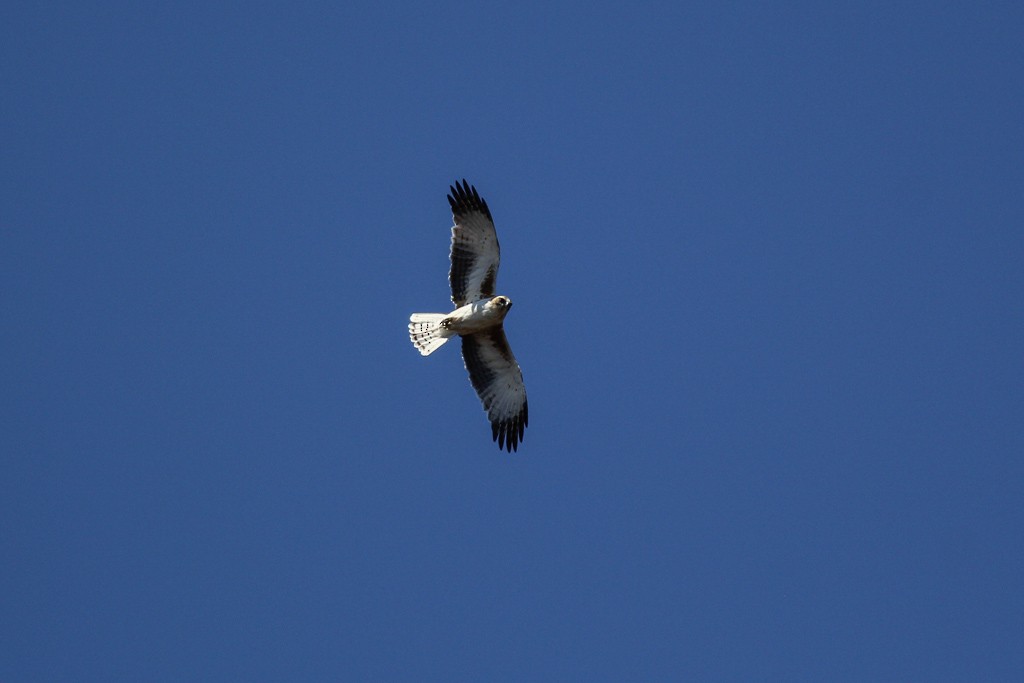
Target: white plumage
pixel 426 332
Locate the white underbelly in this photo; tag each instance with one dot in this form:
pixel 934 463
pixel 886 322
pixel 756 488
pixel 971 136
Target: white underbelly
pixel 473 317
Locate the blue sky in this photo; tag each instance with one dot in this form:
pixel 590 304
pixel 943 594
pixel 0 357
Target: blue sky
pixel 767 266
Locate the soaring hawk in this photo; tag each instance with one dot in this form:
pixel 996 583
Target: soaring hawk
pixel 478 318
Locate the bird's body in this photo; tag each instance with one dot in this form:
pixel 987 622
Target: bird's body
pixel 478 318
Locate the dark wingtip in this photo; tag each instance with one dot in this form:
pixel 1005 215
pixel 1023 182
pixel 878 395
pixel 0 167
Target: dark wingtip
pixel 465 198
pixel 508 435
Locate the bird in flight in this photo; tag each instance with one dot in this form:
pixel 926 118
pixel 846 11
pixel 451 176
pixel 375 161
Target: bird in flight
pixel 478 318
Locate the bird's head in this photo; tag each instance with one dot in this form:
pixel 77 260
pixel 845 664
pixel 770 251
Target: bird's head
pixel 502 302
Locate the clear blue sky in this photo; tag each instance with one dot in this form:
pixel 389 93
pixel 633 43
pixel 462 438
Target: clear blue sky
pixel 768 266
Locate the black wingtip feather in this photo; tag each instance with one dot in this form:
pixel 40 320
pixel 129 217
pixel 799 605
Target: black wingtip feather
pixel 464 199
pixel 509 434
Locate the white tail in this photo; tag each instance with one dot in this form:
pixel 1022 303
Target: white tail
pixel 426 332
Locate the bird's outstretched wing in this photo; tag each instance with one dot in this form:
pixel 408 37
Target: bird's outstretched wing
pixel 475 252
pixel 498 381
